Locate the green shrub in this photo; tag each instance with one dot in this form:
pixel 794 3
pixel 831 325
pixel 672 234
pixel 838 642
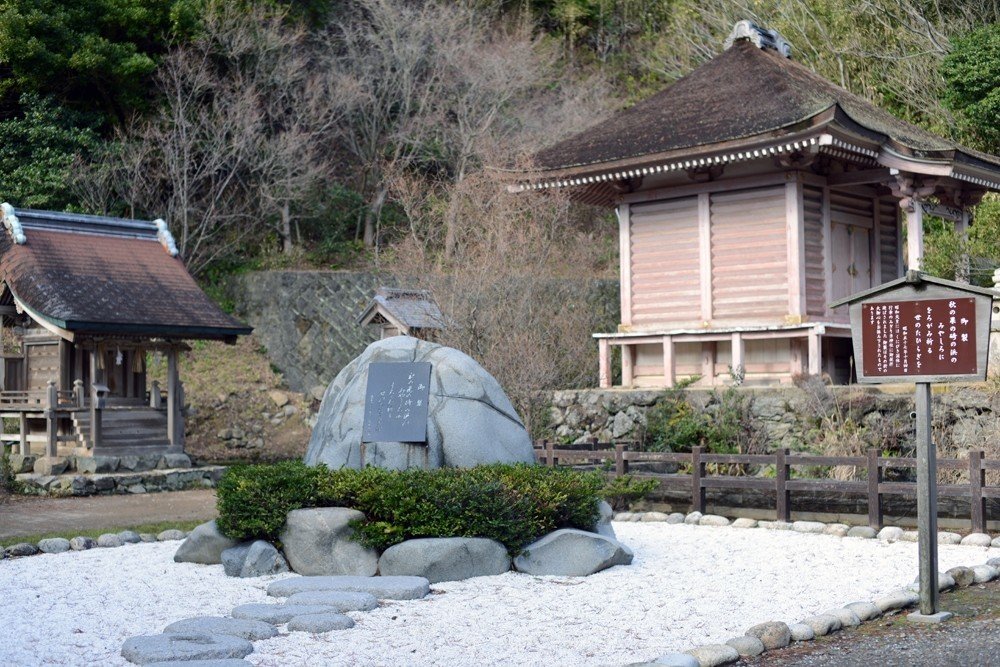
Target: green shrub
pixel 723 426
pixel 623 490
pixel 512 504
pixel 254 499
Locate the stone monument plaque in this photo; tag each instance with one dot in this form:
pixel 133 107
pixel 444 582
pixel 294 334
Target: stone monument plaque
pixel 396 402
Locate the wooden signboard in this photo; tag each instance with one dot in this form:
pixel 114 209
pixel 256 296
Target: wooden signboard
pixel 396 400
pixel 920 330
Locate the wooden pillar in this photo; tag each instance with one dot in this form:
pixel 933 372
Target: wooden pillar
pixel 625 263
pixel 22 425
pixel 914 232
pixel 737 354
pixel 708 362
pixel 796 249
pixel 604 363
pixel 65 379
pixel 815 357
pixel 51 419
pixel 127 371
pixel 628 363
pixel 172 435
pixel 705 254
pixel 669 376
pixel 795 361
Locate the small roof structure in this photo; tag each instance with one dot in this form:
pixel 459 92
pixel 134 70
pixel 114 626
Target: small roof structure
pixel 93 275
pixel 745 98
pixel 405 309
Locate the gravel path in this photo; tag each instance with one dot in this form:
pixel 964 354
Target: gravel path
pixel 26 515
pixel 688 585
pixel 971 638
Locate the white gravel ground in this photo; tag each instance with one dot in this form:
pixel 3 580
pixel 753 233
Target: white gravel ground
pixel 688 585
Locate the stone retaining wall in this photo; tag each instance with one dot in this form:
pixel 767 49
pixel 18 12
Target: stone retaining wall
pixel 306 319
pixel 147 481
pixel 965 416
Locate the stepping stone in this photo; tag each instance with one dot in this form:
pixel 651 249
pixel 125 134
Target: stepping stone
pixel 383 588
pixel 277 613
pixel 145 649
pixel 320 623
pixel 220 625
pixel 224 662
pixel 339 601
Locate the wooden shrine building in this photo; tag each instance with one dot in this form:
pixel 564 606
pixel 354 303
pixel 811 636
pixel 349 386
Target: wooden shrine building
pixel 403 312
pixel 84 301
pixel 750 195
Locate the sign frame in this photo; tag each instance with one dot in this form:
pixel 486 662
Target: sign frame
pixel 923 289
pixel 391 381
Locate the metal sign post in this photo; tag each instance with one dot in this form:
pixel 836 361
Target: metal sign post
pixel 921 329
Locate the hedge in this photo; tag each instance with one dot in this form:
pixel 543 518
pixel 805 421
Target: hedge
pixel 512 504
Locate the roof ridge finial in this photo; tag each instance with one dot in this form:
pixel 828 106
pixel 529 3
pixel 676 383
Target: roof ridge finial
pixel 164 236
pixel 12 224
pixel 760 37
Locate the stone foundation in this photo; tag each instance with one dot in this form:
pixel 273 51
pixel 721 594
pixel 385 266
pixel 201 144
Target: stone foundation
pixel 146 481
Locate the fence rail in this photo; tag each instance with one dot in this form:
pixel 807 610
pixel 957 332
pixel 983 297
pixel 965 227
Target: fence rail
pixel 783 484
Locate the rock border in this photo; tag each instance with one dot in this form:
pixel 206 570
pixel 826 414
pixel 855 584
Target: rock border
pixel 778 634
pixel 121 482
pixel 55 545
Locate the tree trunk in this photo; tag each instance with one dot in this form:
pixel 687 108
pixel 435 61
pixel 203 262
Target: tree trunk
pixel 286 227
pixel 373 214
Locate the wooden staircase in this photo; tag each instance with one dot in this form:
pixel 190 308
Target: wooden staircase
pixel 132 429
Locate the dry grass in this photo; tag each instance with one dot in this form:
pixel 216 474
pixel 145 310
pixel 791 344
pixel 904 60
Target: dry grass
pixel 228 387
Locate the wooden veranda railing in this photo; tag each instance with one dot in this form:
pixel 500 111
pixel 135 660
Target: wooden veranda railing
pixel 783 484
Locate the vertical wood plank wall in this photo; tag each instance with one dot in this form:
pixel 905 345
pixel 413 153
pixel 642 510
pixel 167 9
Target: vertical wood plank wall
pixel 815 260
pixel 749 249
pixel 889 240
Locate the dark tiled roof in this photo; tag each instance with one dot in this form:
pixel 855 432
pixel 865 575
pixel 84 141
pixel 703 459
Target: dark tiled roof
pixel 744 92
pixel 416 309
pixel 89 274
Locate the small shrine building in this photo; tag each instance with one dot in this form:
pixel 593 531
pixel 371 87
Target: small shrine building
pixel 750 195
pixel 403 312
pixel 83 300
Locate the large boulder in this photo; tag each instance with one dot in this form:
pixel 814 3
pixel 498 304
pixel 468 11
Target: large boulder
pixel 470 419
pixel 204 545
pixel 253 559
pixel 318 542
pixel 569 552
pixel 445 558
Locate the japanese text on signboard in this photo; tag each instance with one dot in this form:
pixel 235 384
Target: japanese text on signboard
pixel 924 337
pixel 396 402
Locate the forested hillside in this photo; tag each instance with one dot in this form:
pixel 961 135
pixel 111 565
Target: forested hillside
pixel 359 133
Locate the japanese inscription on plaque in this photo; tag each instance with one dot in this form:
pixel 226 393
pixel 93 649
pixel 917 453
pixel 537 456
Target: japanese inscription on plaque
pixel 920 338
pixel 396 402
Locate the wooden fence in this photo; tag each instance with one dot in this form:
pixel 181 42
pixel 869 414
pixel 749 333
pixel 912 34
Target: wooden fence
pixel 783 483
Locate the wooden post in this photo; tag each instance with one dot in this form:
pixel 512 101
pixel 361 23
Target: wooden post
pixel 180 415
pixel 815 360
pixel 697 472
pixel 783 508
pixel 621 465
pixel 737 354
pixel 874 497
pixel 604 363
pixel 155 397
pixel 926 501
pixel 172 435
pixel 914 244
pixel 23 431
pixel 95 418
pixel 51 419
pixel 549 455
pixel 628 359
pixel 708 362
pixel 625 262
pixel 977 479
pixel 669 375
